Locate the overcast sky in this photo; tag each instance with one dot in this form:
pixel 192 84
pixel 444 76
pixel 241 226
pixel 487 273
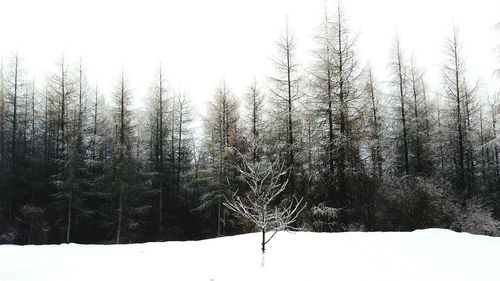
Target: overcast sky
pixel 201 42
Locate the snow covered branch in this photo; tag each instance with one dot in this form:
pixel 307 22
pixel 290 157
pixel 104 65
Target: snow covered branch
pixel 266 184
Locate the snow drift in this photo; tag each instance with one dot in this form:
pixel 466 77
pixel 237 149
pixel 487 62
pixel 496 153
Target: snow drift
pixel 432 254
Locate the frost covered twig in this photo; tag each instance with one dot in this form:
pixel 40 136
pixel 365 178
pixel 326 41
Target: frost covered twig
pixel 266 184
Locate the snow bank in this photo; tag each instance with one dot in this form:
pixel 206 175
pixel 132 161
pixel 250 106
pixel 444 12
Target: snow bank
pixel 432 254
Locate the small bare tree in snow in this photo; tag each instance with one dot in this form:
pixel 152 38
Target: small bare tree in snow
pixel 266 183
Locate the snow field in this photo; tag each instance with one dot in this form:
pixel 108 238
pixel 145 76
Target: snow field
pixel 432 254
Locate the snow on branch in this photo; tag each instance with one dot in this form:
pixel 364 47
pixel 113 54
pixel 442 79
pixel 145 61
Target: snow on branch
pixel 266 183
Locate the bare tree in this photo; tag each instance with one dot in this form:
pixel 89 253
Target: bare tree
pixel 484 151
pixel 375 128
pixel 399 82
pixel 221 127
pixel 258 206
pixel 68 95
pixel 184 118
pixel 75 168
pixel 419 127
pixel 339 107
pixel 323 81
pixel 285 93
pixel 254 120
pixel 123 152
pixel 439 138
pixel 459 111
pixel 97 127
pixel 494 111
pixel 3 132
pixel 15 87
pixel 158 120
pixel 346 75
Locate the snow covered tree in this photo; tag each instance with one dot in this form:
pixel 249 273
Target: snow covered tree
pixel 337 100
pixel 126 188
pixel 221 127
pixel 259 204
pixel 158 132
pixel 3 137
pixel 346 73
pixel 419 127
pixel 399 83
pixel 374 124
pixel 15 86
pixel 255 122
pixel 285 94
pixel 459 108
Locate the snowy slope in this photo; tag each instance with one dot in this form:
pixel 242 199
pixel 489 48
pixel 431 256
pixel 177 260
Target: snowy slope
pixel 432 254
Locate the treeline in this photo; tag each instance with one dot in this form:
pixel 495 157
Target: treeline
pixel 364 156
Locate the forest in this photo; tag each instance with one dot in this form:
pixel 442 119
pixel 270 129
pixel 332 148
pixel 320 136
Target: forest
pixel 77 167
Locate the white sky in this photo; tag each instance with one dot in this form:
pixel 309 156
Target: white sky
pixel 199 42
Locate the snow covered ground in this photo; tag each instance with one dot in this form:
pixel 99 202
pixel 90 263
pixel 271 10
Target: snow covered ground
pixel 432 254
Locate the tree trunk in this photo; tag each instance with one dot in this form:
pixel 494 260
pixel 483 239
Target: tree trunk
pixel 120 215
pixel 483 159
pixel 179 144
pixel 497 162
pixel 418 143
pixel 461 168
pixel 161 154
pixel 68 227
pixel 219 223
pixel 289 121
pixel 403 112
pixel 263 241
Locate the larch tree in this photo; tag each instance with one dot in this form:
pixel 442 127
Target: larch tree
pixel 98 124
pixel 99 193
pixel 374 144
pixel 15 89
pixel 30 211
pixel 399 84
pixel 419 127
pixel 312 163
pixel 323 83
pixel 494 108
pixel 184 139
pixel 222 138
pixel 285 93
pixel 348 106
pixel 488 147
pixel 3 134
pixel 374 123
pixel 339 108
pixel 439 139
pixel 458 101
pixel 124 164
pixel 180 155
pixel 75 167
pixel 255 122
pixel 63 98
pixel 159 131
